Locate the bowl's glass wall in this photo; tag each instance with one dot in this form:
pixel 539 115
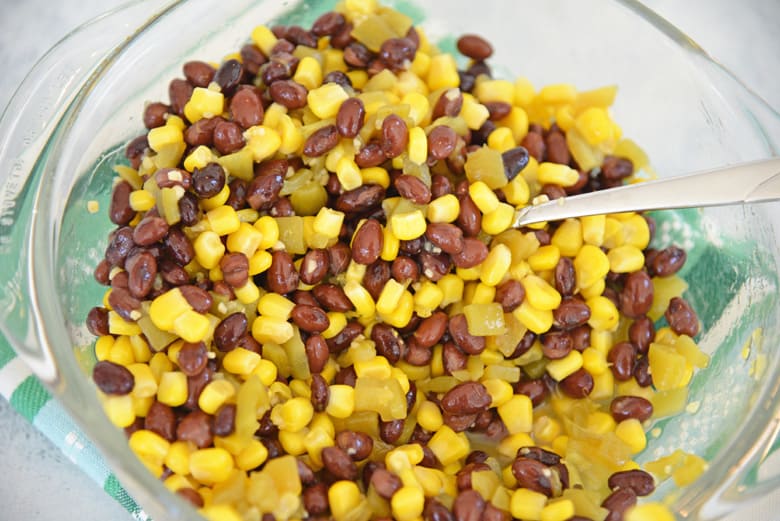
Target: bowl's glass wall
pixel 666 103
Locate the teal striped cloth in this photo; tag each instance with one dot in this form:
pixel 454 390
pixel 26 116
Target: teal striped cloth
pixel 26 394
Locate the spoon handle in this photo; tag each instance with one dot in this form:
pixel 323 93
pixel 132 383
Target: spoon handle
pixel 750 182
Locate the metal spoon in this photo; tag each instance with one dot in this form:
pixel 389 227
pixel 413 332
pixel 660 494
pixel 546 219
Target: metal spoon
pixel 744 183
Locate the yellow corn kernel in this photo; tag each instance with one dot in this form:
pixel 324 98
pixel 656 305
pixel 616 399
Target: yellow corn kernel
pixel 269 228
pixel 328 222
pixel 417 148
pixel 119 326
pixel 142 200
pixel 208 249
pixel 103 347
pixel 360 298
pixel 603 313
pixel 495 90
pixel 275 305
pixel 501 139
pixel 211 465
pixel 594 361
pixel 240 361
pixel 482 293
pixel 199 158
pixel 161 137
pixel 345 500
pixel 500 392
pixel 141 351
pixel 473 113
pixel 527 504
pixel 390 245
pixel 540 294
pixel 271 330
pixel 264 39
pixel 375 175
pixel 555 173
pixel 341 401
pixel 149 446
pixel 563 367
pixel 557 510
pixel 636 232
pixel 223 220
pixel 590 265
pixel 204 103
pixel 524 92
pixel 625 259
pixel 409 225
pixel 449 446
pixel 215 394
pixel 545 258
pixel 517 414
pixel 259 262
pixel 428 296
pixel 537 320
pixel 348 173
pixel 191 326
pixel 485 198
pixel 499 220
pixel 248 293
pixel 593 229
pixel 517 191
pixel 511 444
pixel 254 455
pixel 632 434
pixel 308 73
pixel 451 287
pixel 444 209
pixel 564 117
pixel 122 351
pixel 172 389
pixel 595 125
pixel 266 371
pixel 496 265
pixel 407 503
pixel 120 410
pixel 418 106
pixel 429 416
pixel 568 237
pixel 293 415
pixel 558 93
pixel 442 72
pixel 216 201
pixel 159 364
pixel 547 429
pixel 337 322
pixel 145 384
pixel 178 457
pixel 403 313
pixel 262 141
pixel 325 101
pixel 246 239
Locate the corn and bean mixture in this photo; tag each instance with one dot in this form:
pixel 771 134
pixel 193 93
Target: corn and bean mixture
pixel 317 306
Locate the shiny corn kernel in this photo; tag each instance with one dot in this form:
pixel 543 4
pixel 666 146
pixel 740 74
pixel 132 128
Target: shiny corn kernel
pixel 259 262
pixel 449 446
pixel 141 351
pixel 417 148
pixel 517 414
pixel 293 415
pixel 204 103
pixel 328 222
pixel 262 141
pixel 360 298
pixel 625 259
pixel 451 287
pixel 275 305
pixel 546 429
pixel 429 416
pixel 120 410
pixel 240 361
pixel 408 226
pixel 217 200
pixel 149 446
pixel 442 72
pixel 248 293
pixel 540 294
pixel 511 444
pixel 501 139
pixel 593 229
pixel 172 389
pixel 375 175
pixel 407 503
pixel 269 229
pixel 164 136
pixel 344 498
pixel 142 200
pixel 595 125
pixel 563 367
pixel 211 465
pixel 545 258
pixel 308 73
pixel 537 320
pixel 428 296
pixel 208 249
pixel 603 313
pixel 632 434
pixel 246 239
pixel 444 209
pixel 517 191
pixel 103 347
pixel 557 510
pixel 390 245
pixel 215 394
pixel 594 361
pixel 337 322
pixel 271 330
pixel 482 195
pixel 418 106
pixel 555 173
pixel 266 371
pixel 500 391
pixel 527 504
pixel 145 383
pixel 191 326
pixel 401 316
pixel 264 39
pixel 568 237
pixel 558 93
pixel 496 265
pixel 119 326
pixel 122 351
pixel 178 457
pixel 254 455
pixel 495 90
pixel 341 401
pixel 325 101
pixel 199 158
pixel 590 265
pixel 524 92
pixel 499 220
pixel 473 113
pixel 348 173
pixel 223 220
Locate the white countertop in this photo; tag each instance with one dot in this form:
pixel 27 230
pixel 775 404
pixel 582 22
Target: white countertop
pixel 39 484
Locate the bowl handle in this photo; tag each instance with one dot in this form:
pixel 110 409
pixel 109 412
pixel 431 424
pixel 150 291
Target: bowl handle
pixel 28 123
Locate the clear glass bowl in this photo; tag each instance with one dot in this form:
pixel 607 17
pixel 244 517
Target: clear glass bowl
pixel 69 120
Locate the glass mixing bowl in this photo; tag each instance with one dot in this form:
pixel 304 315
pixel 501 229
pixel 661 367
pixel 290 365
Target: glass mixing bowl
pixel 67 124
